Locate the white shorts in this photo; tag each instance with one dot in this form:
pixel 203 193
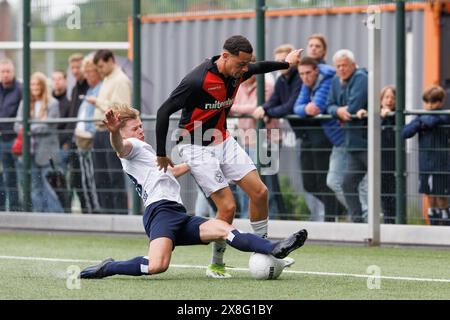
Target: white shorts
pixel 214 166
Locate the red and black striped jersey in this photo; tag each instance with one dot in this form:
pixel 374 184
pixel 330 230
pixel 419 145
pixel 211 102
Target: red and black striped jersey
pixel 205 97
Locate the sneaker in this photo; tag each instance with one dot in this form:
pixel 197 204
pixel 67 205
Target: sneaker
pixel 286 246
pixel 434 215
pixel 97 271
pixel 445 215
pixel 217 271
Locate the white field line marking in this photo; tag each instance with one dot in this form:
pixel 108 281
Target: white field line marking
pixel 186 266
pixel 46 259
pixel 329 274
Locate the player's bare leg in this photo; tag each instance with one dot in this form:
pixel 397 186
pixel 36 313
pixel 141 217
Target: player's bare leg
pixel 257 193
pixel 225 203
pixel 159 254
pixel 226 208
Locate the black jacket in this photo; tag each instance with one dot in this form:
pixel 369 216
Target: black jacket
pixel 65 136
pixel 9 103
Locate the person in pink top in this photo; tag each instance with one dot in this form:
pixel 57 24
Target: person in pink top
pixel 245 103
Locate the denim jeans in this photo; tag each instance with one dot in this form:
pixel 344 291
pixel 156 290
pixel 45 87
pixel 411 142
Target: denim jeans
pixel 356 170
pixel 43 196
pixel 9 188
pixel 64 156
pixel 335 177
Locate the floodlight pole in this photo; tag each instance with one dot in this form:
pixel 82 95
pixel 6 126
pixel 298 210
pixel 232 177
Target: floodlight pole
pixel 26 157
pixel 374 136
pixel 136 79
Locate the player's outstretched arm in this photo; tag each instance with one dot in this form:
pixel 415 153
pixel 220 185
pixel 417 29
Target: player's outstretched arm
pixel 259 67
pixel 112 122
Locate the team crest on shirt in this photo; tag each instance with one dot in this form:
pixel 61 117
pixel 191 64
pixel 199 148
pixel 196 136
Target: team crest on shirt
pixel 219 177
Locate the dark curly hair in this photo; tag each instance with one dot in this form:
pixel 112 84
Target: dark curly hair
pixel 237 43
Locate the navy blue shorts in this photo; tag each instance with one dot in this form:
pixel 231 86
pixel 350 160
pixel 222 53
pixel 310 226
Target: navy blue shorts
pixel 436 184
pixel 169 219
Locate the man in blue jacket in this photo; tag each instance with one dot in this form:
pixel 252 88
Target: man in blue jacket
pixel 281 102
pixel 10 97
pixel 312 101
pixel 348 98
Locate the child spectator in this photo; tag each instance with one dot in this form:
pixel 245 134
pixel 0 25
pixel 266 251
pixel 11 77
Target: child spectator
pixel 434 158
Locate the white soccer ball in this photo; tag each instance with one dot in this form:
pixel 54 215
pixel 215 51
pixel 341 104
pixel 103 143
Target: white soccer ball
pixel 265 267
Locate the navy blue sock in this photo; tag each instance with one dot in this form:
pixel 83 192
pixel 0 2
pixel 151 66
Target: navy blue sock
pixel 249 242
pixel 135 267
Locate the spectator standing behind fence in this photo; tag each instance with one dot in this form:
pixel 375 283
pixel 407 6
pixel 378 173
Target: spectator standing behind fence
pixel 348 97
pixel 44 144
pixel 312 101
pixel 307 131
pixel 116 88
pixel 59 92
pixel 10 97
pixel 78 94
pixel 434 157
pixel 388 202
pixel 84 136
pixel 281 102
pixel 245 103
pixel 317 47
pixel 311 137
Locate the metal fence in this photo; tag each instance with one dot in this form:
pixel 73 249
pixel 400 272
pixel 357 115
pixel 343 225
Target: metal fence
pixel 293 197
pixel 56 21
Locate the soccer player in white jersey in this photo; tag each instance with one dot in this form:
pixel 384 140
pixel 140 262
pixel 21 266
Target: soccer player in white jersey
pixel 165 219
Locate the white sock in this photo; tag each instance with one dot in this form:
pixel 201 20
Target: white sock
pixel 260 227
pixel 218 249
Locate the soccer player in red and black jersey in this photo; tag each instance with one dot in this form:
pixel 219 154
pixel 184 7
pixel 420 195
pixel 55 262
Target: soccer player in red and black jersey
pixel 205 96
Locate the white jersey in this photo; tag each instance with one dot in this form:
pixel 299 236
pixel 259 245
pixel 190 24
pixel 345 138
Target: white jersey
pixel 151 183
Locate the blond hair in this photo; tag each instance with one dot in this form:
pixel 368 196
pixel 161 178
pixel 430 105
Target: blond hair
pixel 42 80
pixel 284 48
pixel 88 62
pixel 125 112
pixel 75 57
